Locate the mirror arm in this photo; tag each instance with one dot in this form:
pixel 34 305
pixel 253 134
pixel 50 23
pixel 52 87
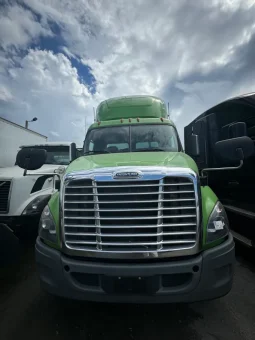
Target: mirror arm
pixel 25 170
pixel 227 168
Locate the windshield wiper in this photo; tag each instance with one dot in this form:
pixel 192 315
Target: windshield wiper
pixel 139 150
pixel 149 150
pixel 95 152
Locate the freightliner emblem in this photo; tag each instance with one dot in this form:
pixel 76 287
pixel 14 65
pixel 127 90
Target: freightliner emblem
pixel 127 175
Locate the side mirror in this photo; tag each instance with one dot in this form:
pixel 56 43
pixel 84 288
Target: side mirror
pixel 235 149
pixel 194 145
pixel 31 159
pixel 73 152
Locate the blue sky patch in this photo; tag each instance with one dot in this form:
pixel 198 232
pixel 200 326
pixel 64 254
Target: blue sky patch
pixel 55 44
pixel 85 75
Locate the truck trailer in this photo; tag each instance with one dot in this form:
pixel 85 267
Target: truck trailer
pixel 233 118
pixel 132 221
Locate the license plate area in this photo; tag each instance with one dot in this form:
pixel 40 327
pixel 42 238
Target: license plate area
pixel 130 285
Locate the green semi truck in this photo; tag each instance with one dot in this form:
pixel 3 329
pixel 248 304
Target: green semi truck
pixel 133 220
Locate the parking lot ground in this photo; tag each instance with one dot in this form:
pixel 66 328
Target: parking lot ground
pixel 28 313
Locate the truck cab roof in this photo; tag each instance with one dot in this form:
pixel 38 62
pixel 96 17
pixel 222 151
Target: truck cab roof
pixel 130 121
pixel 230 110
pixel 47 144
pixel 131 107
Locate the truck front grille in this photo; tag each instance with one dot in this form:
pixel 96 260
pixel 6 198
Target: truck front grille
pixel 130 216
pixel 5 187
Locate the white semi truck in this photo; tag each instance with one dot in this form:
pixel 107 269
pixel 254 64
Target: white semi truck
pixel 11 137
pixel 22 198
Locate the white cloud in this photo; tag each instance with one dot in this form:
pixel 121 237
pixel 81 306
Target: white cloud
pixel 5 94
pixel 132 47
pixel 47 86
pixel 54 133
pixel 158 38
pixel 19 26
pixel 144 45
pixel 198 98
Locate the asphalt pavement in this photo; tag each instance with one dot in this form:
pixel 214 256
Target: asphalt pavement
pixel 26 312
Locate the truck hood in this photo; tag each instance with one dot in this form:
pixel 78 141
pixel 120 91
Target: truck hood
pixel 166 159
pixel 16 171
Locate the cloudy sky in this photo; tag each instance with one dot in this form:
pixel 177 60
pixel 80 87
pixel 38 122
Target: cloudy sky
pixel 60 58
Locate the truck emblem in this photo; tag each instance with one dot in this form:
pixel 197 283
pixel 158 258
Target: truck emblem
pixel 127 175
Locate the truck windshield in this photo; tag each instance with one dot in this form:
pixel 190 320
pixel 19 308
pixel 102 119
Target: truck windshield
pixel 133 138
pixel 58 155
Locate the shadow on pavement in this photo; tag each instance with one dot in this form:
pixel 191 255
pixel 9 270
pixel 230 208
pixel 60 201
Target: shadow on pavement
pixel 27 312
pixel 81 320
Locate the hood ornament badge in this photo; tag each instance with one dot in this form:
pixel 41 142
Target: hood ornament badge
pixel 127 175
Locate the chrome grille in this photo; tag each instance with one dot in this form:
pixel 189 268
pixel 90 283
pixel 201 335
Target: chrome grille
pixel 130 216
pixel 5 187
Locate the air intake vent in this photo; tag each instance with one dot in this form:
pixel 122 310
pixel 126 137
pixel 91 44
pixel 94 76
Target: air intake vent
pixel 4 195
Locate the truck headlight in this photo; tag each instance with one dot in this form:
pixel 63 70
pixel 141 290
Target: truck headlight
pixel 218 226
pixel 36 206
pixel 47 227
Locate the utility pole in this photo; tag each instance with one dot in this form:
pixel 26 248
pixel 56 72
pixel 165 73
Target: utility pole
pixel 94 111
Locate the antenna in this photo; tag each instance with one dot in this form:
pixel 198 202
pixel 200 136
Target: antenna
pixel 94 111
pixel 85 125
pixel 168 110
